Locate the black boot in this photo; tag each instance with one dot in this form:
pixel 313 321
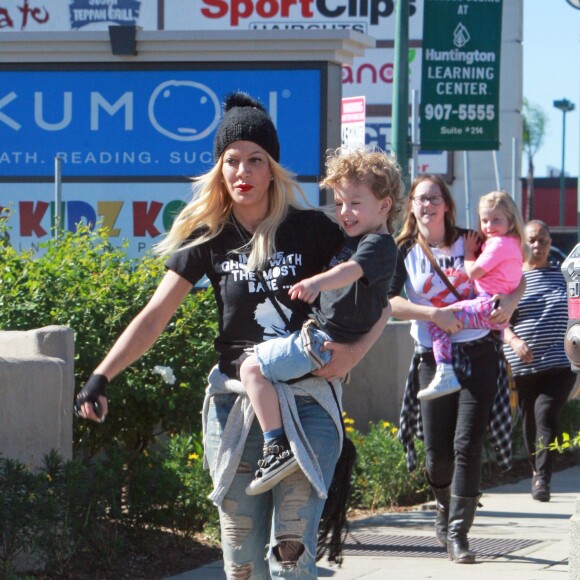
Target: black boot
pixel 461 515
pixel 442 495
pixel 541 488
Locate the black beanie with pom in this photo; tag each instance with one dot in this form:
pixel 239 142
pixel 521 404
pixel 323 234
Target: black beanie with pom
pixel 246 119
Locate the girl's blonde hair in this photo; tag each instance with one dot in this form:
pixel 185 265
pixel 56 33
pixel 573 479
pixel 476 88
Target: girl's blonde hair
pixel 503 202
pixel 211 207
pixel 373 168
pixel 410 230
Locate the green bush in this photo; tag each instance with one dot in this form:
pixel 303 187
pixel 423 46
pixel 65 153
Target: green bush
pixel 69 508
pixel 84 282
pixel 381 478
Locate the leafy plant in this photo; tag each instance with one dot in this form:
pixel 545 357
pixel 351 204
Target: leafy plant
pixel 82 281
pixel 18 493
pixel 381 477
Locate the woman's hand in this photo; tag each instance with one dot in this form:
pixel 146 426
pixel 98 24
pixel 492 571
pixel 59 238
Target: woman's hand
pixel 446 320
pixel 342 362
pixel 472 243
pixel 504 307
pixel 91 401
pixel 505 304
pixel 521 348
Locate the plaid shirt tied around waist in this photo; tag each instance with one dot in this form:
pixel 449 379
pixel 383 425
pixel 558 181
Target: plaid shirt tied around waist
pixel 499 428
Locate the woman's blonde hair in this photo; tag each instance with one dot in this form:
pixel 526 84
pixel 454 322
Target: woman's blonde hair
pixel 373 168
pixel 211 207
pixel 410 230
pixel 503 202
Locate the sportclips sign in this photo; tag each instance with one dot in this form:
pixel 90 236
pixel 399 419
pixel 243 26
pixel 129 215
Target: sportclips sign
pixel 460 75
pixel 139 123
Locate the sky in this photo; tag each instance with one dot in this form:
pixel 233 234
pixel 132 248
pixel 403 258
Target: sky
pixel 551 45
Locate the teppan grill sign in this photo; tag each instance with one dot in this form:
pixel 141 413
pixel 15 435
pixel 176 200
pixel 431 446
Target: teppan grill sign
pixel 460 78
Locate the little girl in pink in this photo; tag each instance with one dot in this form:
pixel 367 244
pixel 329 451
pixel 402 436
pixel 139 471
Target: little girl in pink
pixel 497 270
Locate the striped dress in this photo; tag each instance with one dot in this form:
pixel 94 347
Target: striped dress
pixel 542 322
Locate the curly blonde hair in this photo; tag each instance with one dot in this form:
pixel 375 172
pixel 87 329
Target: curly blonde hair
pixel 373 168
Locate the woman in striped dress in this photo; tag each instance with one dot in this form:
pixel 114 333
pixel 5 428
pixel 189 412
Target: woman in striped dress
pixel 535 350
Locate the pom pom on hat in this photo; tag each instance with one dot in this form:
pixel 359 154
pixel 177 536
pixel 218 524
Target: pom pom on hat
pixel 246 119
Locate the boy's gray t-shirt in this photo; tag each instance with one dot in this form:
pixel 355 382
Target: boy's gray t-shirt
pixel 347 313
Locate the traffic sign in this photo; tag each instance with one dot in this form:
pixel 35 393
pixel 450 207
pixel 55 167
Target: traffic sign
pixel 460 75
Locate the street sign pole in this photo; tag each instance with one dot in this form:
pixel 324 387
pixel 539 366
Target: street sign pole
pixel 400 113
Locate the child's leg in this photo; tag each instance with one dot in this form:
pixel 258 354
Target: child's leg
pixel 441 344
pixel 262 395
pixel 278 460
pixel 444 382
pixel 475 313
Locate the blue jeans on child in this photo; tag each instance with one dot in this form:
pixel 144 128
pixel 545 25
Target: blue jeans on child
pixel 289 512
pixel 293 356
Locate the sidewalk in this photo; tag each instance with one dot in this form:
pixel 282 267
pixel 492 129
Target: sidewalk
pixel 513 536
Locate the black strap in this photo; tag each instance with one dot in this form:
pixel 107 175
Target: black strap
pixel 440 273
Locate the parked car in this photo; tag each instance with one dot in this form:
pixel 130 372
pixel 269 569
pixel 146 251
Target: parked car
pixel 556 256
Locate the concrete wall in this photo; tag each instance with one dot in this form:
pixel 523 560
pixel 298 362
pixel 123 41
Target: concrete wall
pixel 574 560
pixel 36 393
pixel 375 391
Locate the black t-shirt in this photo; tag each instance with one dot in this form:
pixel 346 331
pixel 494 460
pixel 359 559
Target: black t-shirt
pixel 305 242
pixel 347 313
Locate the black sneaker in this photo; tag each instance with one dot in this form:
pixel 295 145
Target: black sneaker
pixel 277 462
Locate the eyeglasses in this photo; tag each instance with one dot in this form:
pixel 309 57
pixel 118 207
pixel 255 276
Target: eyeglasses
pixel 425 199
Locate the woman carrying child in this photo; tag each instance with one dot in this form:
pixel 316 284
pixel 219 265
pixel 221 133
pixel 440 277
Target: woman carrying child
pixel 497 270
pixel 245 230
pixel 453 427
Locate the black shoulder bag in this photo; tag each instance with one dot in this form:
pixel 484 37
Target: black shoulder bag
pixel 333 526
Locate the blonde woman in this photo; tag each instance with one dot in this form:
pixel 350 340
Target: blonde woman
pixel 245 231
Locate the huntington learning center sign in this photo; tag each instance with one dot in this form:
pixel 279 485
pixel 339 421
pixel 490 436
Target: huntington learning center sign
pixel 460 78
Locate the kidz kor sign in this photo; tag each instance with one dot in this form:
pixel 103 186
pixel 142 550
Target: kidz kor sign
pixel 139 123
pixel 460 75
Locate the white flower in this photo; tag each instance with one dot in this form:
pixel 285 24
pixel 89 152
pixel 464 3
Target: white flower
pixel 166 374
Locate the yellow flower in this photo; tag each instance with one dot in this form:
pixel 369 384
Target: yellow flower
pixel 394 430
pixel 348 421
pixel 49 477
pixel 193 456
pixel 349 429
pixel 386 424
pixel 145 453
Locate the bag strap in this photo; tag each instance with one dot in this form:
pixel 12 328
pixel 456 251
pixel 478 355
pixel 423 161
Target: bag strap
pixel 339 409
pixel 427 250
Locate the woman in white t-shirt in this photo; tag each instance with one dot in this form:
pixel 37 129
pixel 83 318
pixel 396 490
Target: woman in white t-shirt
pixel 453 426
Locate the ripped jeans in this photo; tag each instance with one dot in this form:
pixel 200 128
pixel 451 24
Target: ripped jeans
pixel 285 518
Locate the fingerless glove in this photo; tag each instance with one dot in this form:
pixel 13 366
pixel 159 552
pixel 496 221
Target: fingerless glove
pixel 94 388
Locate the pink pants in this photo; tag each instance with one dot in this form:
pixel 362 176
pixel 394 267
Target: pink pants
pixel 474 314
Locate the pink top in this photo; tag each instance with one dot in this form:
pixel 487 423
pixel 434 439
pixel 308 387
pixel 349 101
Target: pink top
pixel 502 260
